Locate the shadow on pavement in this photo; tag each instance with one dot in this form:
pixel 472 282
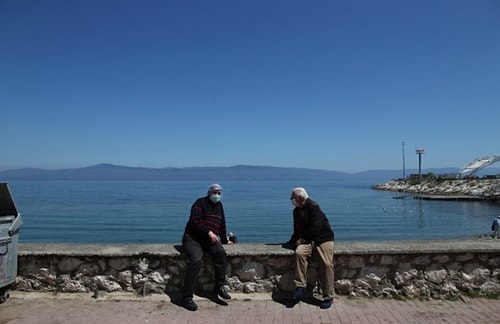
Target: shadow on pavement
pixel 287 299
pixel 212 297
pixel 176 298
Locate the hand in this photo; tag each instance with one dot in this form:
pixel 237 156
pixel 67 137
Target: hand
pixel 300 241
pixel 214 238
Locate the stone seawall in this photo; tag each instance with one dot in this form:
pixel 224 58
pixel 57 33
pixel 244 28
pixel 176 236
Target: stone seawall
pixel 430 269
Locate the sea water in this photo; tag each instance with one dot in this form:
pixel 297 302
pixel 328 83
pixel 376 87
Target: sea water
pixel 256 211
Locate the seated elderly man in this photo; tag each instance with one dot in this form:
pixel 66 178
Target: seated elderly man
pixel 312 235
pixel 205 232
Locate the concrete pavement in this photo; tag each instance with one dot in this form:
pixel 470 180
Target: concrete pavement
pixel 43 308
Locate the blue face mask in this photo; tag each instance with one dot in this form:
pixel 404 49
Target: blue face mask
pixel 215 198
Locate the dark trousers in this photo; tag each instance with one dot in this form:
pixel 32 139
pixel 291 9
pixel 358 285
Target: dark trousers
pixel 194 252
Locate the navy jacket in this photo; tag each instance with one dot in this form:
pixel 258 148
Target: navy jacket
pixel 311 224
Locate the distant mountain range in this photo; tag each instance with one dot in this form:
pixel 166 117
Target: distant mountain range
pixel 239 172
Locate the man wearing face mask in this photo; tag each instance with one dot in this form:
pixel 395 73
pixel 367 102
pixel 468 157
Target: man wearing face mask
pixel 205 231
pixel 312 237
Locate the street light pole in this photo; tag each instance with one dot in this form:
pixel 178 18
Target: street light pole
pixel 420 152
pixel 404 169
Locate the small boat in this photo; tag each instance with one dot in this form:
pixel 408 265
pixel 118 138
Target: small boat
pixel 401 196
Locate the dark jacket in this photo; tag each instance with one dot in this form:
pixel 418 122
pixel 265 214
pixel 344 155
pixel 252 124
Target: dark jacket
pixel 311 224
pixel 205 217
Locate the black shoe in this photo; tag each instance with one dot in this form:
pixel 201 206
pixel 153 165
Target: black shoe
pixel 299 292
pixel 327 303
pixel 189 304
pixel 221 291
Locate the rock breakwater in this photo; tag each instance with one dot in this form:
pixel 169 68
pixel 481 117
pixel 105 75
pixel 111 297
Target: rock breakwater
pixel 485 188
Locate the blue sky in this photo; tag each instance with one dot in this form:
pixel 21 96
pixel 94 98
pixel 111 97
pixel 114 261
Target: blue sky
pixel 335 85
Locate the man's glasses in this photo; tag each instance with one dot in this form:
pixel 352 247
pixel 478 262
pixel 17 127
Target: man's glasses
pixel 218 192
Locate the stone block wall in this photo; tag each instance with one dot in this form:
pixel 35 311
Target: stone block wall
pixel 433 275
pixel 400 269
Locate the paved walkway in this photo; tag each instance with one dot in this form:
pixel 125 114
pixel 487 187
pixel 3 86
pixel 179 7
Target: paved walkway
pixel 243 308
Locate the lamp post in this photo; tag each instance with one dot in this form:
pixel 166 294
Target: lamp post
pixel 420 152
pixel 403 149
